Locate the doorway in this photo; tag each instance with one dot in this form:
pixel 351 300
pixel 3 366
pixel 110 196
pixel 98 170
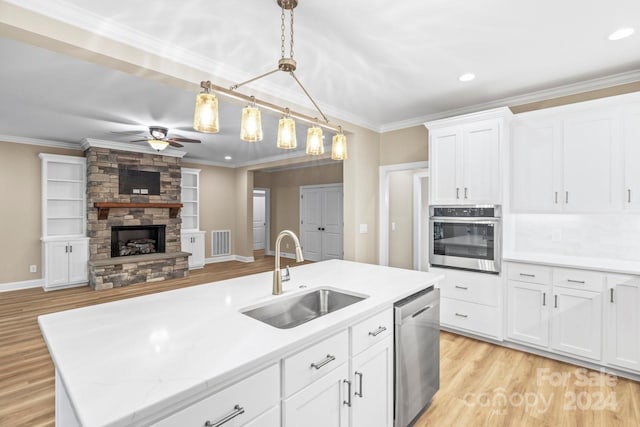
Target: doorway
pixel 321 222
pixel 261 203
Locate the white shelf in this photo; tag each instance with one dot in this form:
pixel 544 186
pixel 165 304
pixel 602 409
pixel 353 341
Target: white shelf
pixel 190 195
pixel 64 199
pixel 65 180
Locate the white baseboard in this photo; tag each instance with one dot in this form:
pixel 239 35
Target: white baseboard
pixel 226 258
pixel 282 254
pixel 16 286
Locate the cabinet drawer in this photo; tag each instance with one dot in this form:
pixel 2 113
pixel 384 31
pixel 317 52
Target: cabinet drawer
pixel 247 398
pixel 479 288
pixel 578 279
pixel 303 368
pixel 470 317
pixel 529 273
pixel 371 331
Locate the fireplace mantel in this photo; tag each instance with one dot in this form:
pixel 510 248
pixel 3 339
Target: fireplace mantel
pixel 103 207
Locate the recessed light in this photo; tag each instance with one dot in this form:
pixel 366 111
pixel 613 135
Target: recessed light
pixel 227 157
pixel 620 34
pixel 467 77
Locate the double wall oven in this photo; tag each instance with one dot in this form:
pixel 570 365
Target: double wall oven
pixel 467 237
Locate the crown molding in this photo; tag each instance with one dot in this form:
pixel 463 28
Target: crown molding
pixel 542 95
pixel 198 161
pixel 500 112
pixel 40 142
pixel 124 146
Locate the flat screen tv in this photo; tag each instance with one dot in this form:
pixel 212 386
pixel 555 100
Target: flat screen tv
pixel 134 181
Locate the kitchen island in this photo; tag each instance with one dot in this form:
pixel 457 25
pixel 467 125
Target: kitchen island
pixel 146 360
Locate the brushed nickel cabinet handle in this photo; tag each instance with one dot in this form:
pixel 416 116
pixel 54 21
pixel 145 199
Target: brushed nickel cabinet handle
pixel 629 195
pixel 462 287
pixel 237 410
pixel 378 331
pixel 556 198
pixel 348 401
pixel 566 197
pixel 462 315
pixel 466 192
pixel 359 393
pixel 576 281
pixel 527 275
pixel 544 299
pixel 611 294
pixel 556 301
pixel 326 360
pixel 457 192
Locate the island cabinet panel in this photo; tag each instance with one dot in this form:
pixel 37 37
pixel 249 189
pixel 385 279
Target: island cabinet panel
pixel 238 404
pixel 324 403
pixel 622 331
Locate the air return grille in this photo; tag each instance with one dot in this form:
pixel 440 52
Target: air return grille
pixel 220 242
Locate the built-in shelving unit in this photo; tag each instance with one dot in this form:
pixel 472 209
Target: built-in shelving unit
pixel 190 199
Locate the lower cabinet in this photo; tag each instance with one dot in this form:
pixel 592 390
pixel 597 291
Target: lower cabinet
pixel 622 314
pixel 193 242
pixel 528 312
pixel 65 262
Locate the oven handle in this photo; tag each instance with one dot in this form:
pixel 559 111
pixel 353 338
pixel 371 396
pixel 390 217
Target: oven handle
pixel 466 220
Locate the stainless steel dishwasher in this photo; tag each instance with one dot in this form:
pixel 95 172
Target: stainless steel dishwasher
pixel 417 354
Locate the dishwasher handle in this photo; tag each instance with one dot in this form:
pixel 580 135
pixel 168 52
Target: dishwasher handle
pixel 411 308
pixel 422 310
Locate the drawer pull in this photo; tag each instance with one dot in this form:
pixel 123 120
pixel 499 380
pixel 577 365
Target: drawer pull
pixel 576 281
pixel 348 401
pixel 527 275
pixel 556 301
pixel 462 315
pixel 611 294
pixel 462 287
pixel 359 393
pixel 237 410
pixel 378 331
pixel 544 299
pixel 327 359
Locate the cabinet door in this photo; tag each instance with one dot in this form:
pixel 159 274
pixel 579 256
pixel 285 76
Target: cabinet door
pixel 481 163
pixel 196 260
pixel 632 159
pixel 57 264
pixel 623 321
pixel 324 403
pixel 186 244
pixel 576 325
pixel 445 146
pixel 588 155
pixel 536 167
pixel 528 312
pixel 332 224
pixel 373 386
pixel 78 258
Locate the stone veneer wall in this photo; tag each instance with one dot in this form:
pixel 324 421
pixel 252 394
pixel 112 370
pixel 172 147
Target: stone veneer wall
pixel 102 186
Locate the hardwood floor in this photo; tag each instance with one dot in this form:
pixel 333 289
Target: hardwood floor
pixel 474 375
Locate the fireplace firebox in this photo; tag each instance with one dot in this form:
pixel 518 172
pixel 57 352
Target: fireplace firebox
pixel 132 240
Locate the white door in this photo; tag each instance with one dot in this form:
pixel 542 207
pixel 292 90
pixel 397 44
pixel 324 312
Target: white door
pixel 622 332
pixel 528 312
pixel 588 149
pixel 321 404
pixel 259 219
pixel 576 324
pixel 536 167
pixel 373 386
pixel 332 223
pixel 78 257
pixel 632 159
pixel 311 224
pixel 444 159
pixel 481 162
pixel 57 263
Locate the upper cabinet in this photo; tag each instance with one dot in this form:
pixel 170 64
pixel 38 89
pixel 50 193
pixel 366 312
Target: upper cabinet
pixel 578 158
pixel 465 158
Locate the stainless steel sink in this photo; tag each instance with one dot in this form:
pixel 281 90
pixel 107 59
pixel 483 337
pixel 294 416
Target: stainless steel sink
pixel 286 313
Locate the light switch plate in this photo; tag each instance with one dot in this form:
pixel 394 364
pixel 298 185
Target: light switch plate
pixel 33 268
pixel 364 228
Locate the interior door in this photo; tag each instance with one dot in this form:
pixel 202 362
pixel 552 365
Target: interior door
pixel 332 225
pixel 259 219
pixel 311 223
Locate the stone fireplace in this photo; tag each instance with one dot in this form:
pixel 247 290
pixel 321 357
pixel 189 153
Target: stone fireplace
pixel 136 238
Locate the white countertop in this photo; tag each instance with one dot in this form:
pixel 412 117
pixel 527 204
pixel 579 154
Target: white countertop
pixel 122 362
pixel 598 264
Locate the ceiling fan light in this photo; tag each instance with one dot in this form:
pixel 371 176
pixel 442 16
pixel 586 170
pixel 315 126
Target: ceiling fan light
pixel 158 144
pixel 251 127
pixel 205 118
pixel 339 147
pixel 315 145
pixel 287 134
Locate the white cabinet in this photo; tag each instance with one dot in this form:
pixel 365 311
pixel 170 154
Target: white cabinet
pixel 193 242
pixel 622 331
pixel 65 262
pixel 190 199
pixel 465 158
pixel 632 158
pixel 372 385
pixel 528 312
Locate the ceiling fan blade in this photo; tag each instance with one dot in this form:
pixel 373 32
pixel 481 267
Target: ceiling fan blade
pixel 141 140
pixel 174 144
pixel 128 132
pixel 196 141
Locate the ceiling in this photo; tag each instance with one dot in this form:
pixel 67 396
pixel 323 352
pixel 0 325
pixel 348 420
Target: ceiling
pixel 377 64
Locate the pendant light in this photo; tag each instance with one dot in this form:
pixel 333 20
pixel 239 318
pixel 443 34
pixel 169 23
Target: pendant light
pixel 251 126
pixel 205 118
pixel 339 146
pixel 287 132
pixel 158 144
pixel 315 143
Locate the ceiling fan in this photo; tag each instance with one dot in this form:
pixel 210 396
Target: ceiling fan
pixel 158 139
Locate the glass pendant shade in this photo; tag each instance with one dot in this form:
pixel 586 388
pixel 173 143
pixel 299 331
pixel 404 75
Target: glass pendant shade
pixel 158 144
pixel 339 147
pixel 315 145
pixel 287 134
pixel 205 118
pixel 251 127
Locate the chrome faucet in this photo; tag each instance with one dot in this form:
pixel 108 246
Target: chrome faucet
pixel 277 274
